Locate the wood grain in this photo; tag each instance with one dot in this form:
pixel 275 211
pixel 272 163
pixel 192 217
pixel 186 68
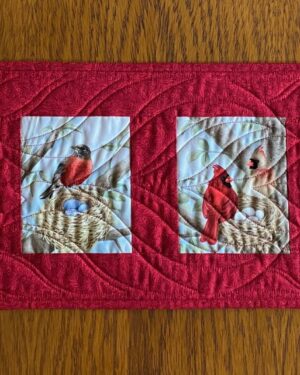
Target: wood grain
pixel 146 31
pixel 150 342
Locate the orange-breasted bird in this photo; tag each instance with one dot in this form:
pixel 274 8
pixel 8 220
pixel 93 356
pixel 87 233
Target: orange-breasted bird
pixel 220 203
pixel 74 170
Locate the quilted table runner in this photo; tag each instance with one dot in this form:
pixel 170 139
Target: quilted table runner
pixel 149 185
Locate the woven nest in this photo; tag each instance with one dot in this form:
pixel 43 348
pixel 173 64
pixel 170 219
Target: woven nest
pixel 256 236
pixel 74 234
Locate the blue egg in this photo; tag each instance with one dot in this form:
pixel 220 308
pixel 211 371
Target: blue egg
pixel 249 211
pixel 83 207
pixel 260 214
pixel 71 204
pixel 71 212
pixel 239 216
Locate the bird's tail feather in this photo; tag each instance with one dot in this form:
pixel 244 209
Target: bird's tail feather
pixel 48 192
pixel 211 229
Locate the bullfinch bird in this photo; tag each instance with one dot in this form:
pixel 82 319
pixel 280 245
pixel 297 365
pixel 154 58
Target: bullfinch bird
pixel 219 204
pixel 261 174
pixel 72 171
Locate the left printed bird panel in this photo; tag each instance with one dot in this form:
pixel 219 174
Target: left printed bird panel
pixel 76 185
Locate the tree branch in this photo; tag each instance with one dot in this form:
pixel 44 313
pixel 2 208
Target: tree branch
pixel 31 163
pixel 114 234
pixel 110 178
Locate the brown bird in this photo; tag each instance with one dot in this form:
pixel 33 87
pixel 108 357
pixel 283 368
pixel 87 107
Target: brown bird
pixel 261 174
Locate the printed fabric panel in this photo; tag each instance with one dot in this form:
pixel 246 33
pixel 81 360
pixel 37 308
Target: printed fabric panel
pixel 232 185
pixel 76 185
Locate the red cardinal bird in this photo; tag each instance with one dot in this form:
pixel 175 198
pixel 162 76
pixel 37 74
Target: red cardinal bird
pixel 72 171
pixel 219 204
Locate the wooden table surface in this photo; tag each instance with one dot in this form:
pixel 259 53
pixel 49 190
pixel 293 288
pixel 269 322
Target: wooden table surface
pixel 150 342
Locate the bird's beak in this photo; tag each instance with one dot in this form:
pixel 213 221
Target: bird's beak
pixel 261 149
pixel 250 163
pixel 229 179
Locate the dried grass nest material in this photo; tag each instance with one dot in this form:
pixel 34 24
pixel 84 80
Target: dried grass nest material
pixel 74 234
pixel 255 236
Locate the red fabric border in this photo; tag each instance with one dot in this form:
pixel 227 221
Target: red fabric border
pixel 155 275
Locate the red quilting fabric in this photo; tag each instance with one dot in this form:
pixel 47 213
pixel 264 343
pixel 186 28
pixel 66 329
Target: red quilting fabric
pixel 155 273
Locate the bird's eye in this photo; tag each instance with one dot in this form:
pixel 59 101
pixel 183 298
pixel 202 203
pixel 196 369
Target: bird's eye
pixel 255 163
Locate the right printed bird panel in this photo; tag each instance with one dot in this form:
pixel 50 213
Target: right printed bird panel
pixel 232 185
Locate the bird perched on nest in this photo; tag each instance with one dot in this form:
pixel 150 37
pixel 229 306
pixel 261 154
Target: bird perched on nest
pixel 219 204
pixel 74 170
pixel 261 173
